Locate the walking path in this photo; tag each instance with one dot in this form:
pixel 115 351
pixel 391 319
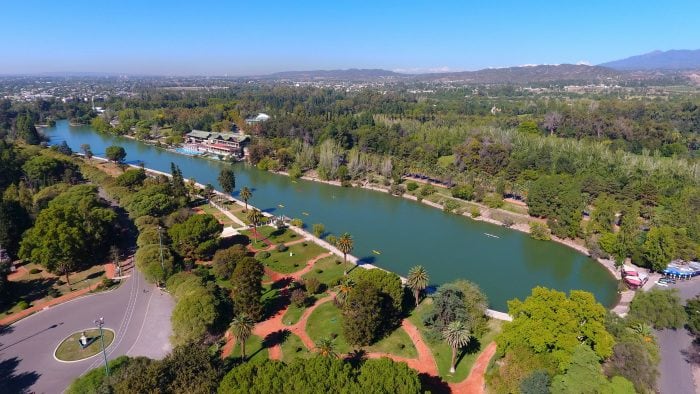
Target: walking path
pixel 423 363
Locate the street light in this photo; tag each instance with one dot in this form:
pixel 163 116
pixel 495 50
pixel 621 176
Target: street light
pixel 100 322
pixel 160 246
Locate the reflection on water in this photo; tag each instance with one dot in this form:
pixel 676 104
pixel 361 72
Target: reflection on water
pixel 406 232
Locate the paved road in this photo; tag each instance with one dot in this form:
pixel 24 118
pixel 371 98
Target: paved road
pixel 676 372
pixel 138 312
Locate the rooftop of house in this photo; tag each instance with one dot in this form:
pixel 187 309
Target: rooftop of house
pixel 209 135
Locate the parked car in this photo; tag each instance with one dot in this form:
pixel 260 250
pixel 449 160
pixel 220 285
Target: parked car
pixel 661 283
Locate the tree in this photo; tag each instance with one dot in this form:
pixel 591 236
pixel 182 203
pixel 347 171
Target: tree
pixel 362 318
pixel 318 229
pixel 457 301
pixel 225 260
pixel 535 383
pixel 417 281
pixel 115 153
pixel 131 178
pixel 660 308
pixel 345 245
pixel 584 375
pixel 42 171
pixel 74 229
pixel 65 267
pixel 242 328
pixel 246 195
pixel 550 323
pixel 195 312
pixel 633 361
pixel 255 217
pixel 208 191
pixel 227 179
pixel 177 183
pixel 196 237
pixel 692 308
pixel 25 129
pixel 14 220
pixel 386 376
pixel 87 151
pixel 659 248
pixel 148 261
pixel 390 289
pixel 326 347
pixel 344 289
pixel 456 335
pixel 246 281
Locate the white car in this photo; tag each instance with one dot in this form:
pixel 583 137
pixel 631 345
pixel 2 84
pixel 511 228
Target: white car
pixel 659 283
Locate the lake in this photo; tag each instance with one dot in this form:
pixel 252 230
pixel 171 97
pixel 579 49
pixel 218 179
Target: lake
pixel 405 232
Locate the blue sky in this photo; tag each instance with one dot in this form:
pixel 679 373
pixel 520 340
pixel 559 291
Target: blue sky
pixel 203 37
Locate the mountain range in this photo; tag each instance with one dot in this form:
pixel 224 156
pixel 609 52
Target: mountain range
pixel 659 60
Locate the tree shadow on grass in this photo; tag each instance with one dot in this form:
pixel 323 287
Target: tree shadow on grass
pixel 433 384
pixel 276 338
pixel 13 382
pixel 33 289
pixel 474 346
pixel 273 305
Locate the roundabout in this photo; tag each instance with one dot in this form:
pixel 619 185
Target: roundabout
pixel 82 345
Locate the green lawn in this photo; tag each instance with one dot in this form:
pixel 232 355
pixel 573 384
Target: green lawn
pixel 293 348
pixel 398 343
pixel 275 236
pixel 221 217
pixel 283 263
pixel 37 288
pixel 325 321
pixel 238 211
pixel 443 353
pixel 70 350
pixel 254 349
pixel 327 270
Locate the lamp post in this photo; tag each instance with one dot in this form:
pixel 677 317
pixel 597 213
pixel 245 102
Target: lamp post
pixel 100 322
pixel 160 246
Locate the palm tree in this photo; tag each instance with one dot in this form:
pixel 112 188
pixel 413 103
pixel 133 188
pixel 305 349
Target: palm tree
pixel 241 328
pixel 417 281
pixel 644 330
pixel 345 245
pixel 326 347
pixel 246 195
pixel 456 335
pixel 254 216
pixel 65 267
pixel 343 289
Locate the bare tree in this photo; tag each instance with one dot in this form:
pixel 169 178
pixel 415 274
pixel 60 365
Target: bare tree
pixel 552 121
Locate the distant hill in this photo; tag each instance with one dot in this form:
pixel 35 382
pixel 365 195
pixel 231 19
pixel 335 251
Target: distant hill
pixel 659 60
pixel 352 74
pixel 529 74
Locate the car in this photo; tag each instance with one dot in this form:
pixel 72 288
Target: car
pixel 660 283
pixel 668 280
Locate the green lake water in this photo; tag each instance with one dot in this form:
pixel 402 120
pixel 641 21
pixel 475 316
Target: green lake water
pixel 407 233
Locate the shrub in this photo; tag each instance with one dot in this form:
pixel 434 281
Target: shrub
pixel 298 297
pixel 34 271
pixel 106 282
pixel 296 222
pixel 464 192
pixel 54 292
pixel 426 190
pixel 313 285
pixel 508 222
pixel 397 190
pixel 22 305
pixel 262 255
pixel 450 206
pixel 332 239
pixel 539 231
pixel 318 229
pixel 282 248
pixel 475 212
pixel 411 186
pixel 493 201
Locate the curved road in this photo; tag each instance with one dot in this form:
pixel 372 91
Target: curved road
pixel 138 312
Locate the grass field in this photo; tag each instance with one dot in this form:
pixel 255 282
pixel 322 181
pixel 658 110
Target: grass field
pixel 254 349
pixel 223 219
pixel 301 253
pixel 37 288
pixel 294 313
pixel 275 236
pixel 327 271
pixel 443 353
pixel 293 348
pixel 70 349
pixel 326 322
